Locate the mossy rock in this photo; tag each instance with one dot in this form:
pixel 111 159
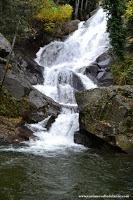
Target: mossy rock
pixel 107 113
pixel 10 106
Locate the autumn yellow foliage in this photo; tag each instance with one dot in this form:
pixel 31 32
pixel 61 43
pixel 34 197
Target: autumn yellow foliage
pixel 129 10
pixel 51 14
pixel 55 13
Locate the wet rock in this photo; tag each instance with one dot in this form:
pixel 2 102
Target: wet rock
pixel 41 107
pixel 5 46
pixel 77 83
pixel 105 78
pixel 107 113
pixel 50 121
pixel 92 141
pixel 65 77
pixel 15 87
pixel 104 64
pixel 92 70
pixel 10 132
pixel 13 83
pixel 105 58
pixel 34 116
pixel 99 71
pixel 51 53
pixel 24 134
pixel 38 105
pixel 31 105
pixel 27 69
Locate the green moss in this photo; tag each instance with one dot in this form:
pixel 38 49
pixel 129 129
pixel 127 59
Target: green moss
pixel 105 111
pixel 11 107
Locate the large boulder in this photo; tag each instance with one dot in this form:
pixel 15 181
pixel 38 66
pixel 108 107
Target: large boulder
pixel 74 80
pixel 104 78
pixel 22 66
pixel 92 70
pixel 11 132
pixel 27 69
pixel 40 105
pixel 14 113
pixel 14 83
pixel 5 46
pixel 104 59
pixel 19 80
pixel 43 107
pixel 70 26
pixel 18 97
pixel 65 28
pixel 107 113
pixel 100 71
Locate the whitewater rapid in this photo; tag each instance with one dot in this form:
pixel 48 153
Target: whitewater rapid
pixel 64 64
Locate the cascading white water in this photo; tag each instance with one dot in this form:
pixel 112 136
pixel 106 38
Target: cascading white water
pixel 63 64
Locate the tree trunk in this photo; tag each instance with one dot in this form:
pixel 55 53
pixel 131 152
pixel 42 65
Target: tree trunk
pixel 81 9
pixel 76 9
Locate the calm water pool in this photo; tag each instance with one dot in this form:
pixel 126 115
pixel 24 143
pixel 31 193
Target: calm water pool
pixel 64 176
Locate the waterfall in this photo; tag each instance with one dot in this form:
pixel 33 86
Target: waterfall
pixel 63 64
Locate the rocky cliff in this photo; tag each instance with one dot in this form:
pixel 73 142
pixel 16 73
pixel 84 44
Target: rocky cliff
pixel 107 113
pixel 18 97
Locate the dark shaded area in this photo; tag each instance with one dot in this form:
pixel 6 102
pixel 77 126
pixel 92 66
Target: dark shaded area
pixel 92 141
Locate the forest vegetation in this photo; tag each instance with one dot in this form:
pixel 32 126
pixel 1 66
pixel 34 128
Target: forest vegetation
pixel 49 14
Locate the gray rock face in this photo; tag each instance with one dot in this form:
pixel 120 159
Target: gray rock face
pixel 27 68
pixel 42 107
pixel 104 58
pixel 107 113
pixel 51 53
pixel 14 83
pixel 100 72
pixel 77 83
pixel 73 79
pixel 70 26
pixel 92 70
pixel 23 67
pixel 104 78
pixel 50 121
pixel 5 46
pixel 104 64
pixel 66 28
pixel 22 74
pixel 21 88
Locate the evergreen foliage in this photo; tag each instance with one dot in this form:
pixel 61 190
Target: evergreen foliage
pixel 123 71
pixel 116 11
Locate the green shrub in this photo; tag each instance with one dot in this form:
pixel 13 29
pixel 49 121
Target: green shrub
pixel 51 15
pixel 55 13
pixel 123 71
pixel 129 10
pixel 116 10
